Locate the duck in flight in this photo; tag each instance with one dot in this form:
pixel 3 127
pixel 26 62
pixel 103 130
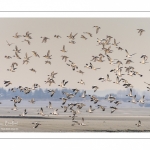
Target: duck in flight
pixel 44 39
pixel 128 55
pixel 63 83
pixel 49 106
pixel 27 35
pixel 35 54
pixel 36 124
pixel 138 124
pixel 9 44
pixel 48 56
pixel 63 50
pixel 7 83
pixel 140 31
pixel 97 28
pixel 17 36
pixel 78 123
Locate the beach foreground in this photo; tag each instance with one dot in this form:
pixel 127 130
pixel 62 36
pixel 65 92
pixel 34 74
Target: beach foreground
pixel 123 120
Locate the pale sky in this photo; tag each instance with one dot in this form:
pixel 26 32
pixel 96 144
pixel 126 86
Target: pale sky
pixel 123 30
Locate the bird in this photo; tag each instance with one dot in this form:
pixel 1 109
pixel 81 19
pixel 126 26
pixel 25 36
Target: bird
pixel 115 43
pixel 12 89
pixel 128 61
pixel 49 106
pixel 52 92
pixel 8 57
pixel 25 40
pixel 102 107
pixel 72 42
pixel 48 56
pixel 83 94
pixel 138 124
pixel 129 56
pixel 108 79
pixel 32 101
pixel 80 105
pixel 35 54
pixel 70 36
pixel 110 98
pixel 41 112
pixel 90 110
pixel 73 65
pixel 117 103
pixel 83 37
pixel 142 101
pixel 68 95
pixel 92 67
pixel 145 57
pixel 102 79
pixel 111 61
pixel 44 39
pixel 78 123
pixel 15 107
pixel 52 75
pixel 24 113
pixel 81 82
pixel 63 83
pixel 117 80
pixel 57 36
pixel 50 81
pixel 95 58
pixel 17 56
pixel 55 112
pixel 12 67
pixel 97 28
pixel 9 44
pixel 140 31
pixel 47 62
pixel 17 50
pixel 65 108
pixel 75 90
pixel 119 48
pixel 94 98
pixel 64 57
pixel 7 83
pixel 63 50
pixel 95 88
pixel 88 33
pixel 130 94
pixel 33 70
pixel 73 36
pixel 35 86
pixel 17 36
pixel 133 100
pixel 26 59
pixel 27 35
pixel 64 100
pixel 80 71
pixel 36 124
pixel 113 109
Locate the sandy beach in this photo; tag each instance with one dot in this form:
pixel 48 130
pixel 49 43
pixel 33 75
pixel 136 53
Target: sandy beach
pixel 122 120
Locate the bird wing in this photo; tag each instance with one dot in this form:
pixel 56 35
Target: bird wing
pixel 126 51
pixel 48 52
pixel 97 29
pixel 17 55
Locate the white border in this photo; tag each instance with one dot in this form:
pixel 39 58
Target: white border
pixel 77 135
pixel 75 15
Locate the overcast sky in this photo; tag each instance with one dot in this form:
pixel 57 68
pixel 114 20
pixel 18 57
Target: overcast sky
pixel 123 30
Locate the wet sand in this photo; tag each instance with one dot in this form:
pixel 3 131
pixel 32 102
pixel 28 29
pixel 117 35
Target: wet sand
pixel 122 120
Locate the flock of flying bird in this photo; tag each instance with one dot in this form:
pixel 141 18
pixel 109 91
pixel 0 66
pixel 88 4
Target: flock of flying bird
pixel 75 108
